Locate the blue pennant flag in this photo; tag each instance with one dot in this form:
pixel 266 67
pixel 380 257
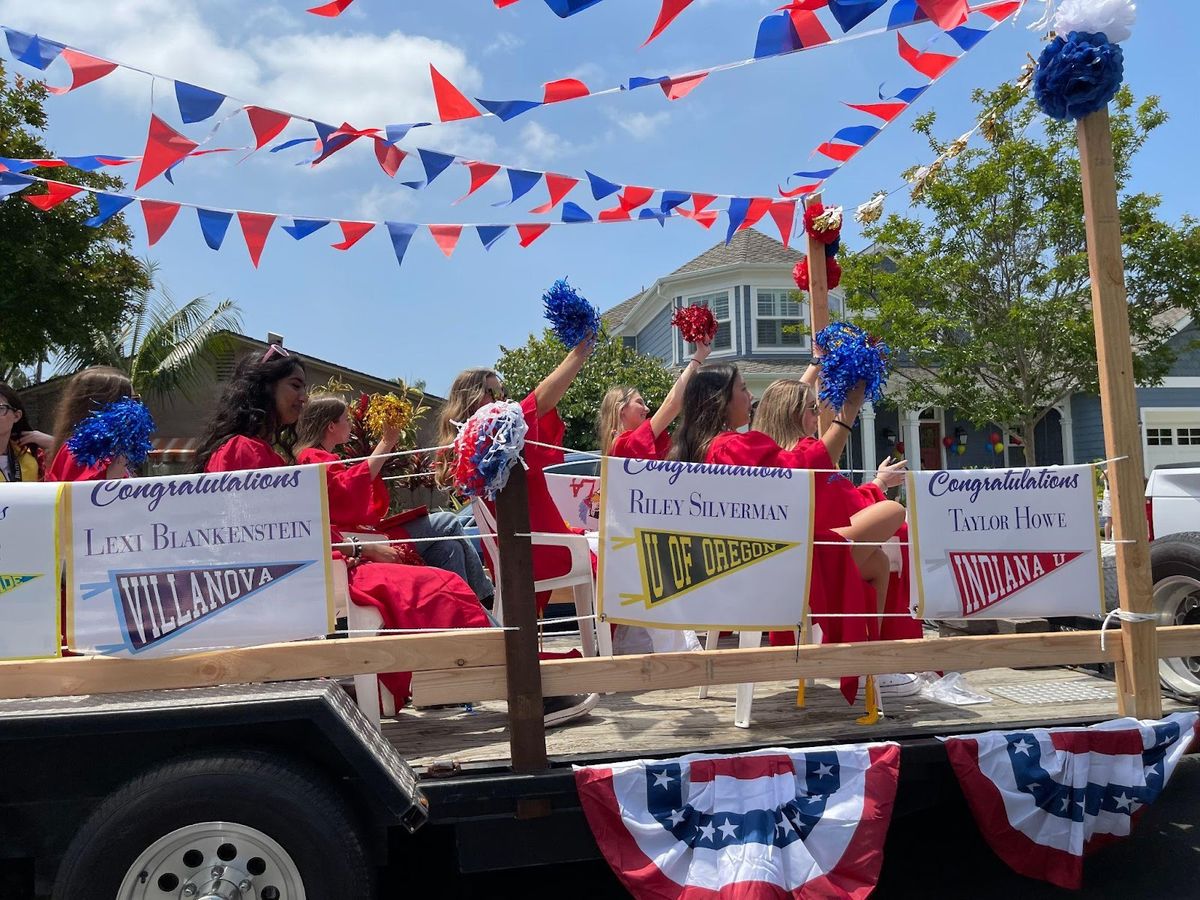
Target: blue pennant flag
pixel 601 188
pixel 775 36
pixel 565 8
pixel 907 95
pixel 905 12
pixel 107 206
pixel 738 207
pixel 435 163
pixel 965 37
pixel 302 228
pixel 11 183
pixel 672 199
pixel 396 133
pixel 819 174
pixel 414 185
pixel 88 163
pixel 573 212
pixel 648 213
pixel 489 234
pixel 856 134
pixel 401 234
pixel 505 110
pixel 16 165
pixel 287 145
pixel 850 12
pixel 638 82
pixel 213 225
pixel 32 50
pixel 196 103
pixel 522 182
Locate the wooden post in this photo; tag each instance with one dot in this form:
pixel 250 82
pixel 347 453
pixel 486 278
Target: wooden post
pixel 818 297
pixel 526 725
pixel 1137 674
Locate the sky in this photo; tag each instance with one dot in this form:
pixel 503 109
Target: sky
pixel 741 132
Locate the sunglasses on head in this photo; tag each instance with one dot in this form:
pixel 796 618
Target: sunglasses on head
pixel 497 396
pixel 273 351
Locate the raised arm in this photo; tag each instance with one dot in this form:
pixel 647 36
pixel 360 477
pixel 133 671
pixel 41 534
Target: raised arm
pixel 673 404
pixel 552 388
pixel 379 456
pixel 838 432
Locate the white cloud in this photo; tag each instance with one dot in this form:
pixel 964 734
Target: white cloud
pixel 503 42
pixel 539 146
pixel 641 126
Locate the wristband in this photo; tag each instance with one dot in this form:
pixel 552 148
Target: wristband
pixel 843 424
pixel 357 547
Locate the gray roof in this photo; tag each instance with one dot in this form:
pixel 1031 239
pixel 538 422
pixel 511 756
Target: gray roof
pixel 615 316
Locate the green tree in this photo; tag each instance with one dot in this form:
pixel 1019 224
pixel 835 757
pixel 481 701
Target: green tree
pixel 61 282
pixel 163 348
pixel 612 363
pixel 984 291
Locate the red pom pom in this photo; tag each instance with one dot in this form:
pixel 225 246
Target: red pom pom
pixel 810 215
pixel 833 273
pixel 696 323
pixel 800 274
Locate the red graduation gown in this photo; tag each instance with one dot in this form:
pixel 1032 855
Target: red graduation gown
pixel 640 443
pixel 406 596
pixel 67 468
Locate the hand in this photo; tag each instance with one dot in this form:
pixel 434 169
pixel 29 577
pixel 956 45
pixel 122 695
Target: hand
pixel 585 347
pixel 37 439
pixel 382 553
pixel 388 440
pixel 702 351
pixel 891 473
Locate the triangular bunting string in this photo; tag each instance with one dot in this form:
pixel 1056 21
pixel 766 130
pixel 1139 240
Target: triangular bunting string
pixel 57 192
pixel 446 237
pixel 84 70
pixel 164 148
pixel 784 214
pixel 255 228
pixel 559 186
pixel 214 224
pixel 159 215
pixel 530 233
pixel 452 104
pixel 481 174
pixel 352 233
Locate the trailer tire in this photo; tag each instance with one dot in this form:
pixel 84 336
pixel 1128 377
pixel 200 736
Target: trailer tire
pixel 1175 569
pixel 244 816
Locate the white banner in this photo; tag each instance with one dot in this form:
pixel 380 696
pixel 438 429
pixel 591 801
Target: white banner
pixel 577 499
pixel 158 566
pixel 688 545
pixel 1003 543
pixel 29 595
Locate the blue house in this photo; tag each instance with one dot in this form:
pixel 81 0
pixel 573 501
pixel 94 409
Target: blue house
pixel 748 286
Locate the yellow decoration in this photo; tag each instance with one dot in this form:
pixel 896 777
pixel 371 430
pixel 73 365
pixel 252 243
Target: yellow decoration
pixel 958 145
pixel 387 411
pixel 829 220
pixel 800 699
pixel 874 713
pixel 871 210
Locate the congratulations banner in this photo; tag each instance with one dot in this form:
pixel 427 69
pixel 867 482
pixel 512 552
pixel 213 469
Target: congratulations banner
pixel 998 543
pixel 29 627
pixel 158 566
pixel 688 545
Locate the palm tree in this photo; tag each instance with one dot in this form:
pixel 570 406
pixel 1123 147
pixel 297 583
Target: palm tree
pixel 163 348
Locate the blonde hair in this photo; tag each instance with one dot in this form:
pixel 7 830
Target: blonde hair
pixel 608 420
pixel 780 411
pixel 319 413
pixel 87 392
pixel 467 394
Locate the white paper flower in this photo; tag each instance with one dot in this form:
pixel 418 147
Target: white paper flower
pixel 1113 17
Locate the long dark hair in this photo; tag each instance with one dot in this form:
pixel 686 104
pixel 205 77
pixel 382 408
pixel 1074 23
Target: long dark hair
pixel 705 402
pixel 247 408
pixel 13 399
pixel 87 392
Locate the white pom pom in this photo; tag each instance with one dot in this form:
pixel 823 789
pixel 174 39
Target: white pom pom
pixel 1113 17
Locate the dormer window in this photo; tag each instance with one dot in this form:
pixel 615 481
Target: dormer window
pixel 718 302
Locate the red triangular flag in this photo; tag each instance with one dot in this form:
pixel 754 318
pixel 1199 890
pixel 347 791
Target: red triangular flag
pixel 84 70
pixel 481 173
pixel 352 233
pixel 389 155
pixel 706 218
pixel 616 214
pixel 931 65
pixel 559 186
pixel 530 233
pixel 331 9
pixel 999 11
pixel 255 228
pixel 267 123
pixel 803 189
pixel 759 206
pixel 58 192
pixel 676 88
pixel 699 201
pixel 159 215
pixel 808 28
pixel 164 147
pixel 452 104
pixel 784 214
pixel 633 197
pixel 840 152
pixel 666 15
pixel 946 13
pixel 446 237
pixel 564 89
pixel 885 111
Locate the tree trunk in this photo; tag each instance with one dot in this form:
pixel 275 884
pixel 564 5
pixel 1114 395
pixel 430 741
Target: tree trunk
pixel 1028 444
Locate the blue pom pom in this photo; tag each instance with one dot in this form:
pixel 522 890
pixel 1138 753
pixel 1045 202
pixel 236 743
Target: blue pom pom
pixel 832 249
pixel 573 319
pixel 851 356
pixel 1077 75
pixel 122 428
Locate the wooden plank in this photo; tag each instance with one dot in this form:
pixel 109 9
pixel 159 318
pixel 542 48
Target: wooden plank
pixel 660 671
pixel 1138 675
pixel 523 677
pixel 249 665
pixel 818 297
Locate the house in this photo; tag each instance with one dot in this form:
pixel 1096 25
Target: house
pixel 764 329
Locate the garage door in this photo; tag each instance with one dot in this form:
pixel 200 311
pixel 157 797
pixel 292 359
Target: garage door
pixel 1171 436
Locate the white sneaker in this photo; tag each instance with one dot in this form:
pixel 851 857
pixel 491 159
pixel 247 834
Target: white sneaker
pixel 898 685
pixel 560 710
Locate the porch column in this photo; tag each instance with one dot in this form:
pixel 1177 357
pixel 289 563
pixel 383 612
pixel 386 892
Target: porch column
pixel 870 460
pixel 910 428
pixel 1066 426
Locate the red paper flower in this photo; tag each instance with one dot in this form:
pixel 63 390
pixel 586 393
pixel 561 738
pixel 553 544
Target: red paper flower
pixel 696 323
pixel 833 273
pixel 800 274
pixel 824 235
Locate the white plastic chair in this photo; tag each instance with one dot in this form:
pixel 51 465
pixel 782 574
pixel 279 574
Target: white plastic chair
pixel 373 698
pixel 594 635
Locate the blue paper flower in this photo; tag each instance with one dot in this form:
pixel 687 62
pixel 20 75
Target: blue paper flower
pixel 573 319
pixel 1077 75
pixel 851 356
pixel 122 428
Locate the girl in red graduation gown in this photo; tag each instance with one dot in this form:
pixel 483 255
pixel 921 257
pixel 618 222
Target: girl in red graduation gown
pixel 476 388
pixel 258 413
pixel 88 391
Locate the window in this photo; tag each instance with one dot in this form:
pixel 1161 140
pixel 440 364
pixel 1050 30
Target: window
pixel 1188 437
pixel 778 319
pixel 1159 437
pixel 718 302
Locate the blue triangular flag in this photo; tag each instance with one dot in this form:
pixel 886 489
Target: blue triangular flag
pixel 648 213
pixel 819 174
pixel 738 207
pixel 107 206
pixel 286 145
pixel 907 95
pixel 16 165
pixel 396 133
pixel 967 37
pixel 775 36
pixel 196 103
pixel 415 185
pixel 601 188
pixel 213 225
pixel 88 163
pixel 672 199
pixel 638 82
pixel 856 134
pixel 905 12
pixel 573 212
pixel 401 234
pixel 505 110
pixel 564 8
pixel 11 183
pixel 32 50
pixel 522 182
pixel 435 163
pixel 850 12
pixel 170 172
pixel 302 228
pixel 489 234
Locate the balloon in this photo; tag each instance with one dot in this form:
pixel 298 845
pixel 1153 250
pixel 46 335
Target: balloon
pixel 961 449
pixel 995 437
pixel 947 442
pixel 998 447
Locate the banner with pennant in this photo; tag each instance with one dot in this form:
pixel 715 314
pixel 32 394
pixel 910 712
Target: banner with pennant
pixel 29 598
pixel 1003 543
pixel 688 545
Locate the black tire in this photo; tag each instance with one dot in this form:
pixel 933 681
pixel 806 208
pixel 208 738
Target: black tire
pixel 1175 569
pixel 291 803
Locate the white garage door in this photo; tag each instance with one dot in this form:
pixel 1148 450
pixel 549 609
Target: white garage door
pixel 1171 436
